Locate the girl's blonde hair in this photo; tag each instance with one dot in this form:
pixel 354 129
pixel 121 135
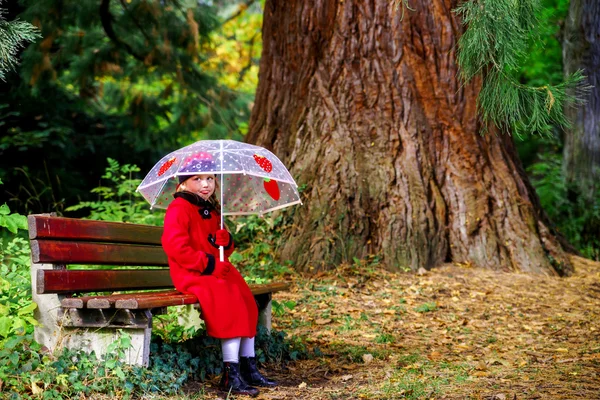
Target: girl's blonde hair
pixel 213 200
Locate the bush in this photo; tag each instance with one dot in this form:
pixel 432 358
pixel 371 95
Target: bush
pixel 118 199
pixel 576 217
pixel 256 252
pixel 16 306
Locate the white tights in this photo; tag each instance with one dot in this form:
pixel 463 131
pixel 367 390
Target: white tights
pixel 236 347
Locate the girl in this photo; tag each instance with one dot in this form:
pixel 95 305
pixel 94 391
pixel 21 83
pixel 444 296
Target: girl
pixel 191 239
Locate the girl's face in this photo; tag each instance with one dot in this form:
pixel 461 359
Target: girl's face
pixel 203 185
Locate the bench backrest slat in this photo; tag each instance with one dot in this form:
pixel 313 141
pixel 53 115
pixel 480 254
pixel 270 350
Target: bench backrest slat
pixel 68 281
pixel 48 227
pixel 63 252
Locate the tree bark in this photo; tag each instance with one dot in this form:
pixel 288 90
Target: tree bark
pixel 581 51
pixel 361 100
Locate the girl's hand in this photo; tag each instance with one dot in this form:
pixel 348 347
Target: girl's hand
pixel 222 269
pixel 222 238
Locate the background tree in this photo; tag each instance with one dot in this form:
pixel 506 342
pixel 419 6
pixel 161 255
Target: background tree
pixel 129 80
pixel 581 51
pixel 362 100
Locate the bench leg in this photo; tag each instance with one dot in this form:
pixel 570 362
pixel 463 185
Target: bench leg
pixel 53 336
pixel 48 332
pixel 98 341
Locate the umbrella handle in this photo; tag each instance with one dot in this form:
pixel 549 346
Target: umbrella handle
pixel 221 248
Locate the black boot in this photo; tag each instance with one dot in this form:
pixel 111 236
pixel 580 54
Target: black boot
pixel 233 381
pixel 252 375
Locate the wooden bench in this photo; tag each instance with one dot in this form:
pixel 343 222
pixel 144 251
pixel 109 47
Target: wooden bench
pixel 78 308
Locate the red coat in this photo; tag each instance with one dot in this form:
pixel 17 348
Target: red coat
pixel 228 306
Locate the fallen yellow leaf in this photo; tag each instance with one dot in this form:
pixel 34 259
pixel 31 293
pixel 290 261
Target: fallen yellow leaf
pixel 36 389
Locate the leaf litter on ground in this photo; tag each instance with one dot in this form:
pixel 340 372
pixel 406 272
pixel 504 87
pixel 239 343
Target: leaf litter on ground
pixel 455 332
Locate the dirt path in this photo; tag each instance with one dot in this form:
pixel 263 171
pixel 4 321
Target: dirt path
pixel 452 333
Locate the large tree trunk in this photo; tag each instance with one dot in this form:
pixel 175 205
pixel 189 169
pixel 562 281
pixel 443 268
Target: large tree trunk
pixel 361 99
pixel 581 51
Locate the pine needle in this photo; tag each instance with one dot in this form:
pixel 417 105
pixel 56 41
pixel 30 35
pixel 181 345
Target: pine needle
pixel 494 45
pixel 12 36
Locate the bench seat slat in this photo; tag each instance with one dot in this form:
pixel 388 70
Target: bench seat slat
pixel 146 300
pixel 48 227
pixel 72 302
pixel 155 300
pixel 109 301
pixel 150 301
pixel 64 252
pixel 269 287
pixel 71 281
pixel 131 300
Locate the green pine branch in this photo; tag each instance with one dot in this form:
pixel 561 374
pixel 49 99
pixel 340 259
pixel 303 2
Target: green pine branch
pixel 494 45
pixel 12 36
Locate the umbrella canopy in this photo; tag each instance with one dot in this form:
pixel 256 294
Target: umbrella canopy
pixel 252 179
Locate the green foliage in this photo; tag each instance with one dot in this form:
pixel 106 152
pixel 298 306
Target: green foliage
pixel 426 307
pixel 495 44
pixel 523 109
pixel 237 48
pixel 169 328
pixel 276 347
pixel 16 306
pixel 256 251
pixel 143 61
pixel 355 353
pixel 29 373
pixel 19 356
pixel 12 36
pixel 11 221
pixel 412 384
pixel 384 338
pixel 543 63
pixel 577 217
pixel 200 356
pixel 26 372
pixel 574 215
pixel 131 81
pixel 280 308
pixel 118 199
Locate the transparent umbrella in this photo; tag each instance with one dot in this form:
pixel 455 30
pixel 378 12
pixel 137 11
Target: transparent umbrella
pixel 252 179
